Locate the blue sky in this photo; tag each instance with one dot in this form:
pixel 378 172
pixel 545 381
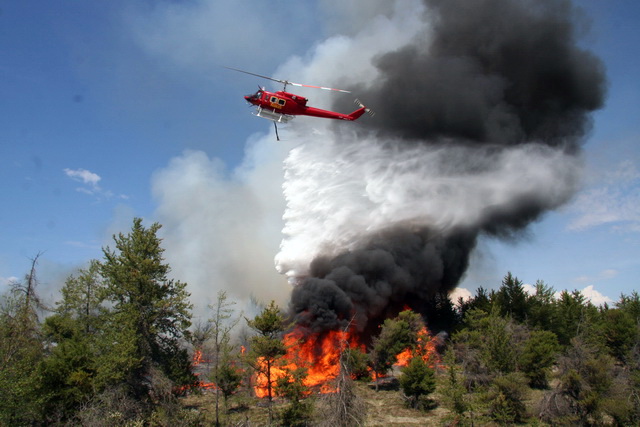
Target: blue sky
pixel 101 102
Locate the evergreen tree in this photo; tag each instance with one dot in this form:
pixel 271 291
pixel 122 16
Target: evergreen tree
pixel 267 347
pixel 417 380
pixel 538 355
pixel 148 317
pixel 229 379
pixel 541 306
pixel 291 387
pixel 21 354
pixel 512 300
pixel 72 333
pixel 631 305
pixel 506 398
pixel 395 336
pixel 355 361
pixel 440 312
pixel 619 329
pixel 499 350
pixel 481 301
pixel 573 315
pixel 454 390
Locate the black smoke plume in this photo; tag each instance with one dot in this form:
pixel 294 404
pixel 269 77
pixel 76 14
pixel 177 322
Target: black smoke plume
pixel 485 76
pixel 494 72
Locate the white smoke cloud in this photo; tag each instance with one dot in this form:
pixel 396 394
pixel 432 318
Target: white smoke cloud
pixel 220 229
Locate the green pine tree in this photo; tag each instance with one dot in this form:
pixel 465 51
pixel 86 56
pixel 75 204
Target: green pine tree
pixel 148 317
pixel 538 355
pixel 417 380
pixel 21 354
pixel 72 332
pixel 267 347
pixel 396 335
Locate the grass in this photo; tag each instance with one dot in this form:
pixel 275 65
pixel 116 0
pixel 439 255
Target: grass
pixel 384 408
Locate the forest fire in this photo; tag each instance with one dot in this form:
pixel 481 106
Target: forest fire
pixel 319 354
pixel 197 360
pixel 425 348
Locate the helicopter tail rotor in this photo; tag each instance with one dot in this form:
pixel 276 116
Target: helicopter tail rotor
pixel 361 105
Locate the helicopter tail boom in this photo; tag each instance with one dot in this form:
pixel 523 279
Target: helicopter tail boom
pixel 360 111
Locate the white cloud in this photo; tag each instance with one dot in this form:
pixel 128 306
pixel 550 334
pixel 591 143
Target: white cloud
pixel 90 181
pixel 84 176
pixel 529 289
pixel 595 297
pixel 458 293
pixel 615 201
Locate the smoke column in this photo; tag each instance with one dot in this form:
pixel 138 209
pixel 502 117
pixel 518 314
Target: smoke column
pixel 481 109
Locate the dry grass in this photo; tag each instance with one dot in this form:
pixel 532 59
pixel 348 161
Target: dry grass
pixel 384 408
pixel 388 408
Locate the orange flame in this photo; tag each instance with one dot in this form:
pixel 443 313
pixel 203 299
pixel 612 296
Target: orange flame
pixel 319 354
pixel 197 359
pixel 425 348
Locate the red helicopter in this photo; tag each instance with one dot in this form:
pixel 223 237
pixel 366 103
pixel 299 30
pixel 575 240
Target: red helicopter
pixel 282 106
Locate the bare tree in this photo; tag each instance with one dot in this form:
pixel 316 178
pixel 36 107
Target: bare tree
pixel 344 408
pixel 222 322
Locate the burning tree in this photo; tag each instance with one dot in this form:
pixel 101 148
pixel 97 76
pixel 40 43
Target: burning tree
pixel 344 407
pixel 401 339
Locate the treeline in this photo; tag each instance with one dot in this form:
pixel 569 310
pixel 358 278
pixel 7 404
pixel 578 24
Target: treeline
pixel 580 364
pixel 117 349
pixel 111 350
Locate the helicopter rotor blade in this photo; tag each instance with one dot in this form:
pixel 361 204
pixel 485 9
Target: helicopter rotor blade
pixel 319 87
pixel 287 82
pixel 259 75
